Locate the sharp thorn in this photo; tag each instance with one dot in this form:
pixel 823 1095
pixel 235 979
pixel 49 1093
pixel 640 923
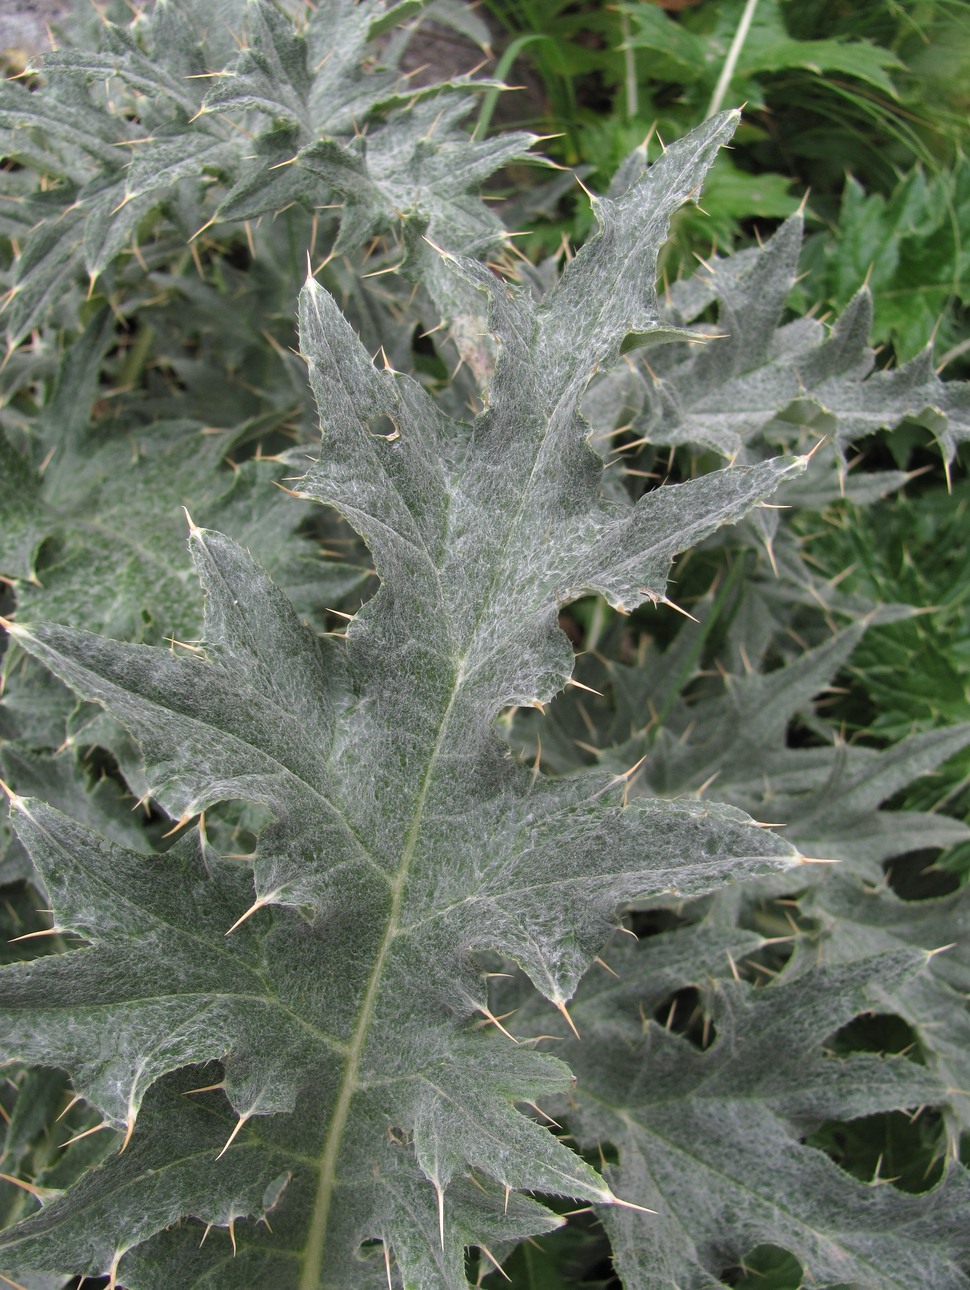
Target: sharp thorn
pixel 253 908
pixel 588 688
pixel 490 1016
pixel 229 1141
pixel 629 1204
pixel 493 1260
pixel 561 1006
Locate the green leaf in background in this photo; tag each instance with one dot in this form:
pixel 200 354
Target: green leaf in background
pixel 913 250
pixel 768 48
pixel 680 55
pixel 675 53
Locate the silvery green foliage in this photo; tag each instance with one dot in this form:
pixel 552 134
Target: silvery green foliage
pixel 712 1140
pixel 172 124
pixel 764 384
pixel 328 991
pixel 103 497
pixel 854 922
pixel 722 733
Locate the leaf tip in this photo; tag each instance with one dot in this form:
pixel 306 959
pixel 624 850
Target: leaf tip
pixel 628 1204
pixel 667 601
pixel 496 1021
pixel 807 457
pixel 445 255
pixel 940 949
pixel 594 201
pixel 588 688
pixel 13 629
pixel 15 800
pixel 495 1263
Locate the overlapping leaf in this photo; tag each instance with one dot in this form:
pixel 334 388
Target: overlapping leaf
pixel 731 743
pixel 728 738
pixel 99 571
pixel 191 133
pixel 403 837
pixel 711 1140
pixel 854 922
pixel 759 382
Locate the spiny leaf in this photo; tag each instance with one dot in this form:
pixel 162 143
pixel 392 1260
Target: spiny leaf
pixel 403 837
pixel 855 923
pixel 183 139
pixel 758 383
pixel 731 743
pixel 710 1139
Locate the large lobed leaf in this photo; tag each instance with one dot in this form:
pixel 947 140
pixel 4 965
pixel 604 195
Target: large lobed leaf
pixel 760 381
pixel 352 1097
pixel 712 1140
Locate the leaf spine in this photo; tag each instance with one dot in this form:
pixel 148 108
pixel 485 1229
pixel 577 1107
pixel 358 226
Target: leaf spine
pixel 39 1193
pixel 490 1016
pixel 229 1141
pixel 105 1124
pixel 440 1192
pixel 560 1004
pixel 629 1204
pixel 588 688
pixel 129 1129
pixel 493 1260
pixel 253 908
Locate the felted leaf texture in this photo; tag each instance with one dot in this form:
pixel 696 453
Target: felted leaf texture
pixel 761 382
pixel 730 742
pixel 855 922
pixel 192 130
pixel 327 987
pixel 107 499
pixel 712 1139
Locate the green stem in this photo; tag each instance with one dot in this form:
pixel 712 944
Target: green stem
pixel 501 72
pixel 629 68
pixel 731 62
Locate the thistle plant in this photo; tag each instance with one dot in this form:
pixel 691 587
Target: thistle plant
pixel 371 940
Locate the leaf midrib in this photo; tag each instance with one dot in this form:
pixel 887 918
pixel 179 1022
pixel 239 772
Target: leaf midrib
pixel 313 1255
